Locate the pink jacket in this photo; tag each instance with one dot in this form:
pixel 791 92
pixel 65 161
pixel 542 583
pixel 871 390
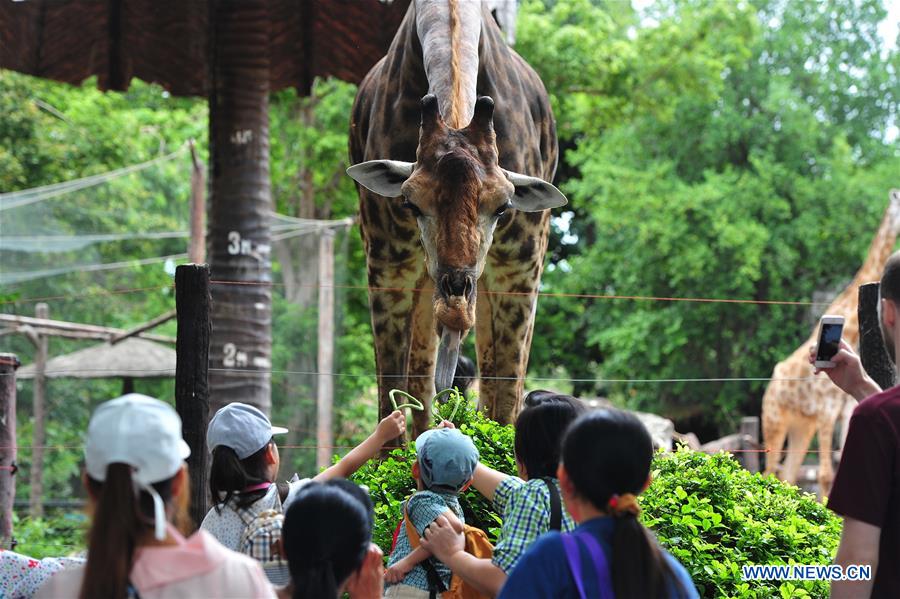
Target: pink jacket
pixel 195 567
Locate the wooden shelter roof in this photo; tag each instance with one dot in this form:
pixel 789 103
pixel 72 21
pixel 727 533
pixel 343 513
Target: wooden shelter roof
pixel 132 358
pixel 168 42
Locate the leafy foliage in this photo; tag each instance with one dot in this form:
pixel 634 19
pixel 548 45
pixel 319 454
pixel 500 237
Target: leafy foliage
pixel 715 517
pixel 51 537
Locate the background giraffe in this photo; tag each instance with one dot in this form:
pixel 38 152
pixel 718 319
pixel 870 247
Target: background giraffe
pixel 797 409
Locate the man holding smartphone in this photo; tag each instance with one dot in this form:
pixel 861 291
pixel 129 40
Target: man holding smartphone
pixel 866 489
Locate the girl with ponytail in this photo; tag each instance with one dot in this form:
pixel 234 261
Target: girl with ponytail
pixel 605 465
pixel 137 485
pixel 327 539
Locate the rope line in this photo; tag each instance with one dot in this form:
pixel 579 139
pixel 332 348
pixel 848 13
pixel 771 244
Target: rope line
pixel 402 376
pixel 597 296
pixel 392 447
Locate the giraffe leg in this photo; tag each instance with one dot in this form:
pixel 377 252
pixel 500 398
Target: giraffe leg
pixel 422 353
pixel 392 304
pixel 799 436
pixel 774 434
pixel 826 440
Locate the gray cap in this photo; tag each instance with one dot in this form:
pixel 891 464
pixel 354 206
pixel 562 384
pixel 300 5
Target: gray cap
pixel 447 459
pixel 242 427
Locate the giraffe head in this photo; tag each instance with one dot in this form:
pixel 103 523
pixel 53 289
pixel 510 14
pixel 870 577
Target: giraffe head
pixel 457 192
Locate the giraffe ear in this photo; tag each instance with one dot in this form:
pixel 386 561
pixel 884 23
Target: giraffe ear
pixel 383 177
pixel 533 194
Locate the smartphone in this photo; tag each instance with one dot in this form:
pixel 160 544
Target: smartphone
pixel 830 330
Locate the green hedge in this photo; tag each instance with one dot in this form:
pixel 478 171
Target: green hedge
pixel 710 513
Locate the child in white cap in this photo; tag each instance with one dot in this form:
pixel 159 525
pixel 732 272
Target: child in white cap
pixel 245 465
pixel 444 468
pixel 137 482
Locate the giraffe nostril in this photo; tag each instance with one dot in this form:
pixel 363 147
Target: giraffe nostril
pixel 446 287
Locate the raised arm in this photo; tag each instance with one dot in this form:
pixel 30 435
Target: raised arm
pixel 848 373
pixel 390 428
pixel 486 480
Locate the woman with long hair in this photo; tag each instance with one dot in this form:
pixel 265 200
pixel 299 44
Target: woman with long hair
pixel 606 456
pixel 327 539
pixel 137 484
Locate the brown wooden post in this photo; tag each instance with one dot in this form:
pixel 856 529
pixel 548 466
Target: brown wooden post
pixel 192 301
pixel 874 355
pixel 240 238
pixel 39 437
pixel 325 362
pixel 8 365
pixel 197 246
pixel 750 443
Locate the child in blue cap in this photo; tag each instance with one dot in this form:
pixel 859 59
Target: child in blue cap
pixel 445 465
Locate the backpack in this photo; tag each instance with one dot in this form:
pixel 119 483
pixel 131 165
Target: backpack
pixel 477 544
pixel 260 541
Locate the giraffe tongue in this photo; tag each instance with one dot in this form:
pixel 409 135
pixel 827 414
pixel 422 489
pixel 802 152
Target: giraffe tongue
pixel 448 353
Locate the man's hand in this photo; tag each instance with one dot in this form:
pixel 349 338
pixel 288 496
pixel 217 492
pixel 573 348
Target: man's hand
pixel 393 426
pixel 848 373
pixel 368 581
pixel 444 538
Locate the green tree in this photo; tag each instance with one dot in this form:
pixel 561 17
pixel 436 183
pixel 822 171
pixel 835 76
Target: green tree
pixel 710 158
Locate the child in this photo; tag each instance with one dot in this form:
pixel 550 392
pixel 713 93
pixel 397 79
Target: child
pixel 446 462
pixel 245 465
pixel 327 539
pixel 137 482
pixel 606 458
pixel 529 504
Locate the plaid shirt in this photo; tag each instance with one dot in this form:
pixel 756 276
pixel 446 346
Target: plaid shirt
pixel 525 508
pixel 424 507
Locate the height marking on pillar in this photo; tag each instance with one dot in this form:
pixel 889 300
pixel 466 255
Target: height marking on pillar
pixel 242 137
pixel 233 357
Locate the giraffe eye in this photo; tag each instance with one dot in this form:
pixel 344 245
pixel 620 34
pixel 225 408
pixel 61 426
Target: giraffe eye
pixel 502 209
pixel 416 211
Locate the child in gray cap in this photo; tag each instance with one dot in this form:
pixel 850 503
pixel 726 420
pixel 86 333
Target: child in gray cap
pixel 445 465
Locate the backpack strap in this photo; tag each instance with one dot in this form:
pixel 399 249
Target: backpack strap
pixel 435 584
pixel 555 504
pixel 572 544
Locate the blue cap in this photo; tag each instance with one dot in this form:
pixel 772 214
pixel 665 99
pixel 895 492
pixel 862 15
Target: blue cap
pixel 447 459
pixel 242 427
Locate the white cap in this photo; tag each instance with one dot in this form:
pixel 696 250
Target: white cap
pixel 142 432
pixel 242 427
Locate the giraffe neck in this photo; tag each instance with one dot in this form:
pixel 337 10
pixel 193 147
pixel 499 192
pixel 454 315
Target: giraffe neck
pixel 449 33
pixel 879 251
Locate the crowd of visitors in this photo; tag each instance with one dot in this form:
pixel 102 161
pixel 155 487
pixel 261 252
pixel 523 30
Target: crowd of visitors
pixel 570 524
pixel 312 537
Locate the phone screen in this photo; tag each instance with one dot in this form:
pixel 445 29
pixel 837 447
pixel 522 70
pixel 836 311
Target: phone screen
pixel 829 341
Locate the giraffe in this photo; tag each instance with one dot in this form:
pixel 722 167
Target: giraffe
pixel 473 218
pixel 798 409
